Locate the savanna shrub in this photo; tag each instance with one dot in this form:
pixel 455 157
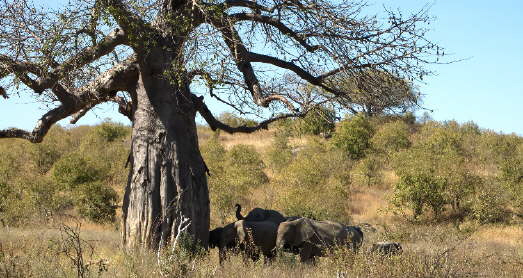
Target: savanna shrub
pixel 45 155
pixel 353 136
pixel 420 191
pixel 315 184
pixel 96 202
pixel 279 153
pixel 434 172
pixel 233 174
pixel 391 137
pixel 367 171
pixel 110 131
pixel 489 203
pixel 245 167
pixel 511 178
pixel 319 120
pixel 72 170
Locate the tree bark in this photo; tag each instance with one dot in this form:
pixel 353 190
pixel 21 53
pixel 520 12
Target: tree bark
pixel 168 175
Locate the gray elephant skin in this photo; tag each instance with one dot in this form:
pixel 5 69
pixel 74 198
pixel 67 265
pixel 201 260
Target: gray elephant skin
pixel 259 214
pixel 257 237
pixel 251 237
pixel 310 237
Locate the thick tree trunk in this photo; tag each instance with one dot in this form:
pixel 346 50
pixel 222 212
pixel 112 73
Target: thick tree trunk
pixel 168 176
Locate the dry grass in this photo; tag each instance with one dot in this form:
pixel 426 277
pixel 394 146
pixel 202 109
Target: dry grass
pixel 429 251
pixel 260 140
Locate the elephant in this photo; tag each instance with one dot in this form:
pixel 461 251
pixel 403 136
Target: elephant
pixel 225 238
pixel 257 237
pixel 309 238
pixel 386 248
pixel 259 214
pixel 251 237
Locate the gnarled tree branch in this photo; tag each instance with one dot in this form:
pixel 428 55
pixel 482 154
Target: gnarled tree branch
pixel 215 124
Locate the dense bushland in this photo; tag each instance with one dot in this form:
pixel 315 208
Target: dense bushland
pixel 439 171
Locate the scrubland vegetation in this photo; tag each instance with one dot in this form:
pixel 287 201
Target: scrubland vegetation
pixel 451 194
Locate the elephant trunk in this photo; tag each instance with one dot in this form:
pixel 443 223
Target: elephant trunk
pixel 238 212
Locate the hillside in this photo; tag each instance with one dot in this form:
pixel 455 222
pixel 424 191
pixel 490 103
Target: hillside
pixel 451 194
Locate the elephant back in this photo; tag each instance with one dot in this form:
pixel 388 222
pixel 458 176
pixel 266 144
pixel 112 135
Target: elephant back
pixel 259 214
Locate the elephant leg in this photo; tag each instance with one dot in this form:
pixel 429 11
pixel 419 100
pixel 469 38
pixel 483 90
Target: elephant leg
pixel 222 255
pixel 306 255
pixel 269 256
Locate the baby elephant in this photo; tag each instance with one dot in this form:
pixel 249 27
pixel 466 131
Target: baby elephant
pixel 386 248
pixel 251 237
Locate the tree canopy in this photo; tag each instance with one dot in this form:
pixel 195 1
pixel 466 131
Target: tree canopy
pixel 246 52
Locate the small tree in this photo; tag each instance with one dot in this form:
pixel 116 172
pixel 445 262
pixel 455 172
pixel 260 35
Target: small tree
pixel 279 153
pixel 318 121
pixel 353 136
pixel 434 173
pixel 96 202
pixel 391 137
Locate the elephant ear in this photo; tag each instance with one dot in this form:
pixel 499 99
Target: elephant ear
pixel 304 232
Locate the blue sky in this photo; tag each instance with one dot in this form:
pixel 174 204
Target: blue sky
pixel 486 88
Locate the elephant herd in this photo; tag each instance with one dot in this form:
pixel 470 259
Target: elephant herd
pixel 263 231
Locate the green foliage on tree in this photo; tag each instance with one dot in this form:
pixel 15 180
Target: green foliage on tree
pixel 245 167
pixel 318 121
pixel 367 172
pixel 96 202
pixel 279 153
pixel 353 136
pixel 73 170
pixel 110 131
pixel 490 202
pixel 315 183
pixel 433 172
pixel 511 177
pixel 391 137
pixel 233 174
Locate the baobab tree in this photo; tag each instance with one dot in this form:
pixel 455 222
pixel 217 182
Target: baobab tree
pixel 147 55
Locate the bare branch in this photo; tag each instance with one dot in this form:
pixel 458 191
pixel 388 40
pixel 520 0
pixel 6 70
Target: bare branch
pixel 284 29
pixel 241 55
pixel 215 124
pixel 121 77
pixel 41 128
pixel 86 56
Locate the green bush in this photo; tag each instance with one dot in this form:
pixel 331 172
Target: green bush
pixel 72 170
pixel 434 172
pixel 245 167
pixel 489 203
pixel 319 120
pixel 234 174
pixel 511 177
pixel 279 153
pixel 420 191
pixel 110 131
pixel 367 171
pixel 315 184
pixel 391 137
pixel 96 202
pixel 353 136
